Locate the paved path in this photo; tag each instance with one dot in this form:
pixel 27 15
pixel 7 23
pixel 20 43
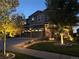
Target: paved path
pixel 40 54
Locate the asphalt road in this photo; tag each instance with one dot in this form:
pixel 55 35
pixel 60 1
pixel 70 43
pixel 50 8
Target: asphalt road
pixel 11 41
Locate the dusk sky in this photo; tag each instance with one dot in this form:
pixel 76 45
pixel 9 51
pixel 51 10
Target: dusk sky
pixel 27 7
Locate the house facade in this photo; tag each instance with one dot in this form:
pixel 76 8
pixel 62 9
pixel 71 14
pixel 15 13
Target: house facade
pixel 37 23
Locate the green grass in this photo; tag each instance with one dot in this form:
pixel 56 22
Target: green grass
pixel 50 47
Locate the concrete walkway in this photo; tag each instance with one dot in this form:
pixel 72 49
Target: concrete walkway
pixel 40 54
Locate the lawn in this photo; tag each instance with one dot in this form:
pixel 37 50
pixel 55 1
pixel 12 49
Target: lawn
pixel 50 47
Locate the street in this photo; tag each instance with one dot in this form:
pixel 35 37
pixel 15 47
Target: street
pixel 12 41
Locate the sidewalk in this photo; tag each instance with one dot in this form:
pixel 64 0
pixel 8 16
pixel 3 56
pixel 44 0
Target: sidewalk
pixel 40 54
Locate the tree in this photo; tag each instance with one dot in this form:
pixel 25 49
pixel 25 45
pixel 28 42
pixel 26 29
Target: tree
pixel 6 26
pixel 62 11
pixel 19 20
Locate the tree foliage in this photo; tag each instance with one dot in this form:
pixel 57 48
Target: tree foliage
pixel 62 11
pixel 6 5
pixel 6 24
pixel 18 19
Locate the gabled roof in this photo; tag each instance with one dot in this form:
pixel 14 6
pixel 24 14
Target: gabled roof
pixel 35 13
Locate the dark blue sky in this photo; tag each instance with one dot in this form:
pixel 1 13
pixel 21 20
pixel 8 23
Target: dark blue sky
pixel 27 7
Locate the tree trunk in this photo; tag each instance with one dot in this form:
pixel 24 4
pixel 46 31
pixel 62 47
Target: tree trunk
pixel 4 43
pixel 62 42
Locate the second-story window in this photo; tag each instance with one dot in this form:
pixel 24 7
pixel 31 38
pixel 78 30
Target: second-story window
pixel 33 19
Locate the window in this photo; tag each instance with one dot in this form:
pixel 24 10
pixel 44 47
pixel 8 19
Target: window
pixel 33 19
